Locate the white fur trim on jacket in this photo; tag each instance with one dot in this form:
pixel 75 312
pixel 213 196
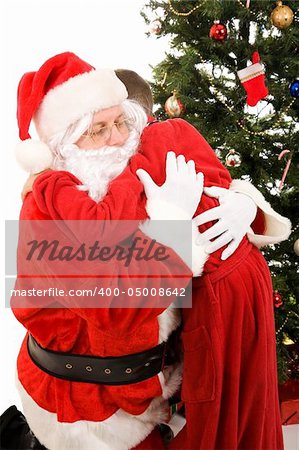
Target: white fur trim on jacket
pixel 278 228
pixel 171 379
pixel 121 431
pixel 85 93
pixel 199 255
pixel 114 433
pixel 173 235
pixel 168 321
pixel 160 210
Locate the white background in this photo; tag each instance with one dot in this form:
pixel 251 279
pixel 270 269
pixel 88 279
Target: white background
pixel 105 33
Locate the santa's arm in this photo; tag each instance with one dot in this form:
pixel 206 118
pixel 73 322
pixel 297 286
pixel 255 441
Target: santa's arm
pixel 269 227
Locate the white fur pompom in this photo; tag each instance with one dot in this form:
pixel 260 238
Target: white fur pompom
pixel 33 156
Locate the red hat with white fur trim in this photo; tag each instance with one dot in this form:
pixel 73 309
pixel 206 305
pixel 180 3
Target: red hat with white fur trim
pixel 62 91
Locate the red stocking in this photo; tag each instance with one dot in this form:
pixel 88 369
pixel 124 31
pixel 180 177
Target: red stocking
pixel 253 80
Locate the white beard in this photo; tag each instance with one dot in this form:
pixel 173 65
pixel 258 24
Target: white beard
pixel 96 168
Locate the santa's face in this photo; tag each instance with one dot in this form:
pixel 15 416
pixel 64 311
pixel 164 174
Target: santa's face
pixel 96 160
pixel 109 128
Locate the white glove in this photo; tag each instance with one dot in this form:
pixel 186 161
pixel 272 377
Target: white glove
pixel 176 199
pixel 235 215
pixel 179 196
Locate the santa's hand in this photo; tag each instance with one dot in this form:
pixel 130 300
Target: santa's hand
pixel 179 196
pixel 235 215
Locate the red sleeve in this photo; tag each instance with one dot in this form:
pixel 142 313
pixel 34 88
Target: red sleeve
pixel 56 195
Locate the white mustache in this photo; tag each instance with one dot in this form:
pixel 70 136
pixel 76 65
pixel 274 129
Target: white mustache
pixel 97 167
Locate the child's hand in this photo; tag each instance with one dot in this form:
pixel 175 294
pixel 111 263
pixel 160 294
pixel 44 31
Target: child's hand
pixel 29 184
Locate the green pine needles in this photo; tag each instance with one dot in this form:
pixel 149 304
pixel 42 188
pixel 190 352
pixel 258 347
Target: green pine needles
pixel 203 71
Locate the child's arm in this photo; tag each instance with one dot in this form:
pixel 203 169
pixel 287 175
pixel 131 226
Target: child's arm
pixel 56 195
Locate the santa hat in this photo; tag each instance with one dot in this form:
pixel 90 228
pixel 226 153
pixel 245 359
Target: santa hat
pixel 62 91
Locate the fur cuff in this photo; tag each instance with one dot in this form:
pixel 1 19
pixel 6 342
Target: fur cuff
pixel 161 210
pixel 178 239
pixel 199 255
pixel 278 228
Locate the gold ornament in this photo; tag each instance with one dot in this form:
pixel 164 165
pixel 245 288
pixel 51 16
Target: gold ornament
pixel 282 16
pixel 296 247
pixel 173 106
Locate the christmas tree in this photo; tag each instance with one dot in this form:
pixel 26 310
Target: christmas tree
pixel 249 117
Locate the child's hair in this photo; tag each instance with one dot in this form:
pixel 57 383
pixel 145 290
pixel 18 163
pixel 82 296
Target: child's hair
pixel 138 89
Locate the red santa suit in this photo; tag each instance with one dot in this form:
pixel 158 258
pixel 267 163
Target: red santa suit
pixel 227 335
pixel 229 375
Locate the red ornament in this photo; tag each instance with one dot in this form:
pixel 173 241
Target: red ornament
pixel 233 159
pixel 277 299
pixel 173 106
pixel 218 31
pixel 155 27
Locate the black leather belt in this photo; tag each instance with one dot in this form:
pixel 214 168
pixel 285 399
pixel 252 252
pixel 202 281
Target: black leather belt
pixel 119 370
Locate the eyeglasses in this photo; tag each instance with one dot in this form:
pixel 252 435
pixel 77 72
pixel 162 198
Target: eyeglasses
pixel 100 135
